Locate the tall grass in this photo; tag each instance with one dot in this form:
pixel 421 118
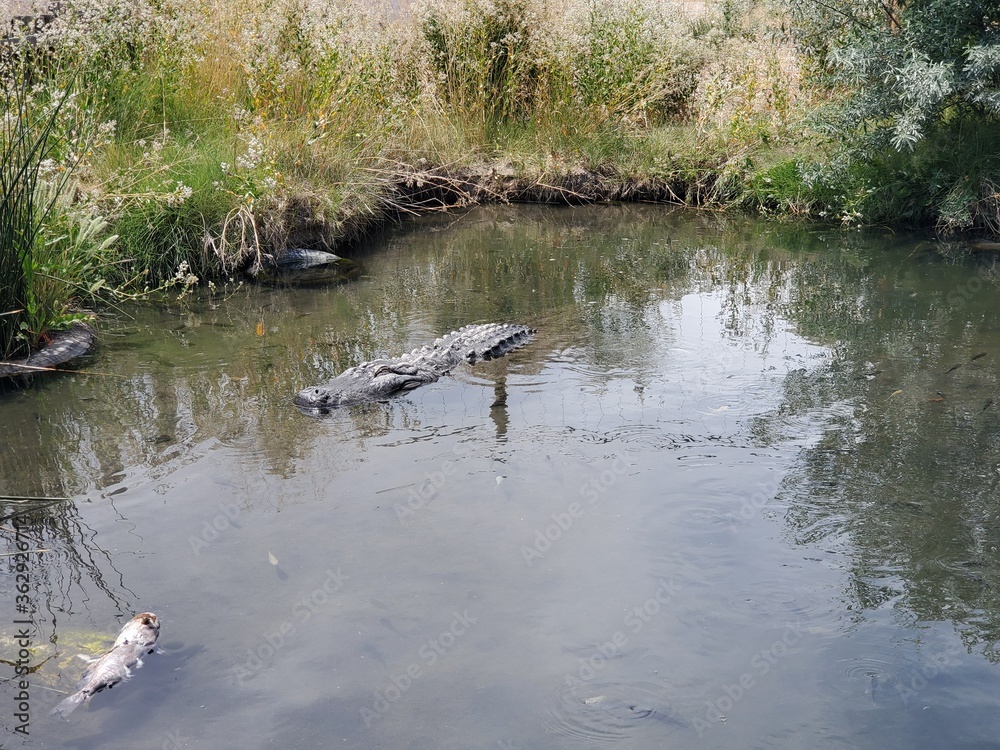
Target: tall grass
pixel 28 143
pixel 486 61
pixel 235 127
pixel 558 69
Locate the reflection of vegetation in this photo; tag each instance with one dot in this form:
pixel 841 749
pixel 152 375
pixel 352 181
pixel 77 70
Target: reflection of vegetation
pixel 901 482
pixel 589 279
pixel 71 571
pixel 205 371
pixel 904 476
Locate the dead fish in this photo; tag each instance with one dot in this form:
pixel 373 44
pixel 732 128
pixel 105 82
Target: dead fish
pixel 142 630
pixel 873 687
pixel 136 639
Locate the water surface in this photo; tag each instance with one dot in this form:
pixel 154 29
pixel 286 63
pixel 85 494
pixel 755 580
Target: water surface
pixel 740 491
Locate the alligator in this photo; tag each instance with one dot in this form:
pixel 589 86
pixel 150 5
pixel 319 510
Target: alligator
pixel 64 346
pixel 382 378
pixel 300 258
pixel 299 266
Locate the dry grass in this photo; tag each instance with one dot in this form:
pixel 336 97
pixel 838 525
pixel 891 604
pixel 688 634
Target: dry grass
pixel 243 126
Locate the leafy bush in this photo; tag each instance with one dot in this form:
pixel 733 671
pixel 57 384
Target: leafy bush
pixel 922 104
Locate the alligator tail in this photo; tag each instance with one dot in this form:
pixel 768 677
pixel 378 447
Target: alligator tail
pixel 487 341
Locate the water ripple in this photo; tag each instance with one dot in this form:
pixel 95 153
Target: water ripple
pixel 875 681
pixel 806 610
pixel 609 711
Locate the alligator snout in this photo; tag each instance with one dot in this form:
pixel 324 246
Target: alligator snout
pixel 312 397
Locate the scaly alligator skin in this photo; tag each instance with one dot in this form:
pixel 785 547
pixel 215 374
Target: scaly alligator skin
pixel 381 378
pixel 301 258
pixel 65 346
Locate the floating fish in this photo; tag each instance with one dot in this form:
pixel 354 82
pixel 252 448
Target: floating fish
pixel 136 639
pixel 872 687
pixel 142 630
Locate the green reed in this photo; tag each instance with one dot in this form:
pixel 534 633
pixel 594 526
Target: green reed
pixel 27 144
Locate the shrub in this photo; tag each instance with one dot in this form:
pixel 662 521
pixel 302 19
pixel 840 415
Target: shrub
pixel 485 55
pixel 920 104
pixel 635 63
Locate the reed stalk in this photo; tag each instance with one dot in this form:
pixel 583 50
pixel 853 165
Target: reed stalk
pixel 27 130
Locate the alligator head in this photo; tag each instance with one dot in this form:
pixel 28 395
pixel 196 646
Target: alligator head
pixel 371 381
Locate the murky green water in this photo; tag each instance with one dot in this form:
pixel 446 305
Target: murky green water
pixel 735 494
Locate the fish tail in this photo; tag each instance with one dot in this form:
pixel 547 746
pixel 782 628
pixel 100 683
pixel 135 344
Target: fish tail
pixel 68 706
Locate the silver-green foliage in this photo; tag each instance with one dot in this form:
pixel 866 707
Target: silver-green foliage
pixel 908 66
pixel 916 92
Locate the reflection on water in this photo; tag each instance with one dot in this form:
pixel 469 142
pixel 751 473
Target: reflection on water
pixel 739 491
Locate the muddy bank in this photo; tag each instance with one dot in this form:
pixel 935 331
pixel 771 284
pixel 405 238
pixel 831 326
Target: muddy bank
pixel 444 188
pixel 412 192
